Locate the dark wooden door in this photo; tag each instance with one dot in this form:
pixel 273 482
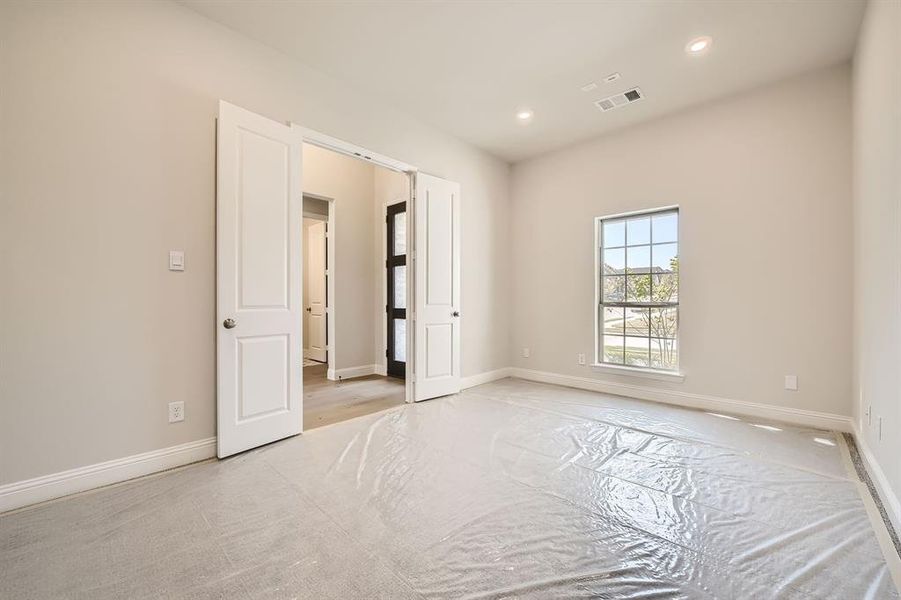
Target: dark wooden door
pixel 396 304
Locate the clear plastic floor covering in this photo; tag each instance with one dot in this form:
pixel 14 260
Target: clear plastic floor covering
pixel 511 489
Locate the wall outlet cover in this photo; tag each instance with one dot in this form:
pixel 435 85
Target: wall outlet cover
pixel 176 412
pixel 526 353
pixel 791 382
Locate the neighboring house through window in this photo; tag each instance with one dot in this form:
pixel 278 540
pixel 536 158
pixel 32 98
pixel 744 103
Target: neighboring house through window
pixel 638 289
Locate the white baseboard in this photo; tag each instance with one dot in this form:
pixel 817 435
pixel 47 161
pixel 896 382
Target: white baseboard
pixel 797 416
pixel 886 494
pixel 56 485
pixel 351 372
pixel 486 377
pixel 381 370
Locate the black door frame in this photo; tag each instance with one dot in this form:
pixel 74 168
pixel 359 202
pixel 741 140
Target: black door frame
pixel 395 368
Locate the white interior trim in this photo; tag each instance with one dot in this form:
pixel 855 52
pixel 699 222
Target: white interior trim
pixel 888 497
pixel 351 372
pixel 486 377
pixel 56 485
pixel 311 136
pixel 639 372
pixel 796 416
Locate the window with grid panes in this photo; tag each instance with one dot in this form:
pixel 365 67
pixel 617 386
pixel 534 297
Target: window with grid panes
pixel 638 295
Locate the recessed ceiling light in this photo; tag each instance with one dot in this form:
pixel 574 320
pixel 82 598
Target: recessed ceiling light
pixel 524 115
pixel 699 45
pixel 611 78
pixel 589 87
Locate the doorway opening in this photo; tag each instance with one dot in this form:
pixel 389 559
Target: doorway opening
pixel 315 280
pixel 354 347
pixel 263 168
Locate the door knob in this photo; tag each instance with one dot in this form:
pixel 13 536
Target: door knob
pixel 456 313
pixel 309 309
pixel 229 323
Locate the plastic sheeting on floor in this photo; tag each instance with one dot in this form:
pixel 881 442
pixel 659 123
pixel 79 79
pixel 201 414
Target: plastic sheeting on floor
pixel 511 489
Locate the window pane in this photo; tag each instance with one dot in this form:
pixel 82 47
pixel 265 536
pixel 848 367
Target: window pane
pixel 664 354
pixel 665 257
pixel 614 233
pixel 614 288
pixel 615 260
pixel 400 234
pixel 637 351
pixel 638 231
pixel 400 340
pixel 665 227
pixel 666 287
pixel 637 322
pixel 638 288
pixel 613 349
pixel 613 320
pixel 638 259
pixel 400 286
pixel 664 322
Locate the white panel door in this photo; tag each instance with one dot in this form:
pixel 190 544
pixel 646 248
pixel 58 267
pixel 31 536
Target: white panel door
pixel 437 287
pixel 316 294
pixel 259 280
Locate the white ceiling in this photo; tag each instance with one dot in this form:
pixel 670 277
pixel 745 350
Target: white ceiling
pixel 467 67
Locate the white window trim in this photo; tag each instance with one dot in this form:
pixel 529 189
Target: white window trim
pixel 644 372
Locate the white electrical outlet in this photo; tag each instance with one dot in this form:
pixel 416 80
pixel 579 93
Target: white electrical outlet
pixel 581 359
pixel 526 353
pixel 176 412
pixel 791 382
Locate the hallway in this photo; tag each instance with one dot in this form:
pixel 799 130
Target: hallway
pixel 326 402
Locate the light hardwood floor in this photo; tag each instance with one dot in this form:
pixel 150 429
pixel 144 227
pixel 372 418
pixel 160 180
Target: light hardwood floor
pixel 326 402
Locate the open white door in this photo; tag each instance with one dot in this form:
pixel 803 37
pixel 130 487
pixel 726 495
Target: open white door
pixel 259 275
pixel 437 287
pixel 316 293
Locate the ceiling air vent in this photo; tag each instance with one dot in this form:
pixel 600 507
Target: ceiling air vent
pixel 617 100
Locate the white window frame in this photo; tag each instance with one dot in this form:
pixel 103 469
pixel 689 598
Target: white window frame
pixel 638 371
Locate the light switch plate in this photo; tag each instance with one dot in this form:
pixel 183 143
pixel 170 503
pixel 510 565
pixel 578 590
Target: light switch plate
pixel 791 382
pixel 176 260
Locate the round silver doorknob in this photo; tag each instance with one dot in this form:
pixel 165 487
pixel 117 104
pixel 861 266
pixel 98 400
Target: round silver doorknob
pixel 229 323
pixel 456 313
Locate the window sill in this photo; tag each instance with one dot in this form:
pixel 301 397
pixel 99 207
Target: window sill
pixel 674 376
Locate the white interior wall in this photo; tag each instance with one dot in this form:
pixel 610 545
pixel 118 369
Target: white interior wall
pixel 107 161
pixel 763 182
pixel 350 183
pixel 877 243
